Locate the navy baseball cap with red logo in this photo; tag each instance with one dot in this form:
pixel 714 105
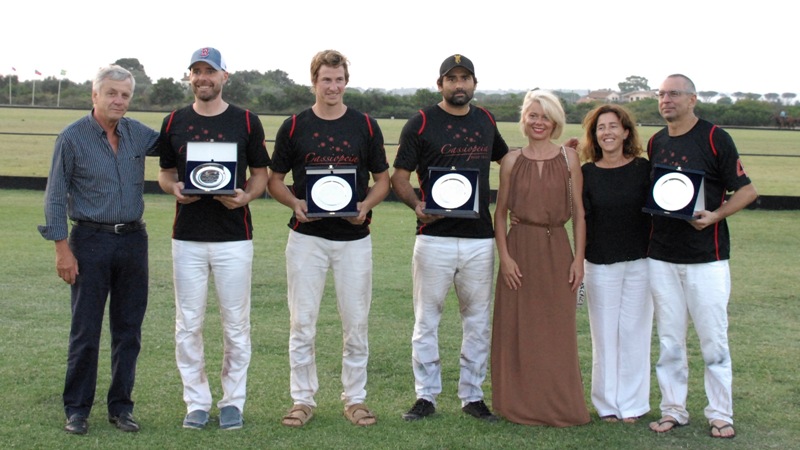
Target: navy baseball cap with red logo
pixel 210 56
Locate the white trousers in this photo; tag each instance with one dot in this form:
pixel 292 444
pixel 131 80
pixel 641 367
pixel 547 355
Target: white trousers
pixel 699 292
pixel 438 263
pixel 231 263
pixel 621 320
pixel 308 259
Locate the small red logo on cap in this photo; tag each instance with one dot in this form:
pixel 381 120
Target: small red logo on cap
pixel 204 53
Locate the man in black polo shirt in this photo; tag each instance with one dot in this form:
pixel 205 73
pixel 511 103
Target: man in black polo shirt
pixel 450 251
pixel 688 259
pixel 212 236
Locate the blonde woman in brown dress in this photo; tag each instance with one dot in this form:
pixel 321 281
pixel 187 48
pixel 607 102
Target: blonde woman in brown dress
pixel 536 377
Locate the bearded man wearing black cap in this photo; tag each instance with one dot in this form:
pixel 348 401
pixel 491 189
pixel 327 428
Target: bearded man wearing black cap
pixel 212 232
pixel 455 234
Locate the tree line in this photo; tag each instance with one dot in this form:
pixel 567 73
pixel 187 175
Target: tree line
pixel 273 92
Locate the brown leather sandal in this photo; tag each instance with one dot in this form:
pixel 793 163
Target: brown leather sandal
pixel 358 414
pixel 298 416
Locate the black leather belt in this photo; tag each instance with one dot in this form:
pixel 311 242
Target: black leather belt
pixel 118 228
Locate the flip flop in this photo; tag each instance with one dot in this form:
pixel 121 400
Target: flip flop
pixel 609 419
pixel 298 416
pixel 664 420
pixel 719 431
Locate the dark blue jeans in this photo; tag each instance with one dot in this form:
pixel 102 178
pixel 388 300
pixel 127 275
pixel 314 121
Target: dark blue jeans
pixel 111 266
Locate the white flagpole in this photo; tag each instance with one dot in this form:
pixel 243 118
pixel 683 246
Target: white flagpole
pixel 33 91
pixel 58 100
pixel 10 80
pixel 63 74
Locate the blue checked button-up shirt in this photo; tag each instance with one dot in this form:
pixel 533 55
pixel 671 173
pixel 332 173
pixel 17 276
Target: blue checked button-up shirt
pixel 89 182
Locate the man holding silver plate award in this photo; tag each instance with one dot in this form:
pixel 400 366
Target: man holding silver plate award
pixel 450 146
pixel 695 164
pixel 331 150
pixel 206 149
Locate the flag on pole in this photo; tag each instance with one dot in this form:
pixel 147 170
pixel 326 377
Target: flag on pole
pixel 37 72
pixel 63 72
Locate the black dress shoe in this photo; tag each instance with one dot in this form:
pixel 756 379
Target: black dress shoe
pixel 76 424
pixel 124 422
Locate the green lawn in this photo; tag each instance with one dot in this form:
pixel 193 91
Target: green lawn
pixel 31 155
pixel 34 328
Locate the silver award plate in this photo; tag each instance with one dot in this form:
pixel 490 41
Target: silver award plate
pixel 673 191
pixel 331 193
pixel 452 190
pixel 676 192
pixel 210 176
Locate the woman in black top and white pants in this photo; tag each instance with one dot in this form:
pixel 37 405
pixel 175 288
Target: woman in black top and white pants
pixel 616 181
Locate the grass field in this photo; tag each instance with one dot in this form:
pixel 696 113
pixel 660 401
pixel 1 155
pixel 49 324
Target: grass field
pixel 34 327
pixel 30 155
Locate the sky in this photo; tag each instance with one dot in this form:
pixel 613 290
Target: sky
pixel 559 45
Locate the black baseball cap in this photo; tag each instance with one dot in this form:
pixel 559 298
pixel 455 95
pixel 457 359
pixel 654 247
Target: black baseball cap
pixel 456 61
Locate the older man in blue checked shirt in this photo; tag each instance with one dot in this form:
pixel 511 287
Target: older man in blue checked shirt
pixel 96 181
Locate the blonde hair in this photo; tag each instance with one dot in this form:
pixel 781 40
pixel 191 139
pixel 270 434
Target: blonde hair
pixel 330 58
pixel 552 109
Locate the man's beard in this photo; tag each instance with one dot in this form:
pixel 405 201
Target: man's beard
pixel 206 95
pixel 456 100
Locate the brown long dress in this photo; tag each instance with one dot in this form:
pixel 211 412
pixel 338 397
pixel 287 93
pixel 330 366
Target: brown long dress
pixel 536 377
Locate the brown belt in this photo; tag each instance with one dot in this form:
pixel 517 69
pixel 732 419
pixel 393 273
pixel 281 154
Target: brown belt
pixel 546 226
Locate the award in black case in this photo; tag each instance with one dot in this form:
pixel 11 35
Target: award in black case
pixel 453 192
pixel 676 192
pixel 210 168
pixel 331 191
